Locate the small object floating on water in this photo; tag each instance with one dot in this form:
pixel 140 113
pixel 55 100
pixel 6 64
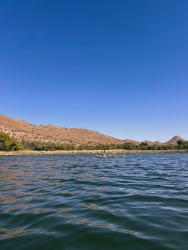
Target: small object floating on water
pixel 113 154
pixel 123 154
pixel 101 154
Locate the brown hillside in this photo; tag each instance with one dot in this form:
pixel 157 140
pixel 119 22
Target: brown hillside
pixel 174 140
pixel 148 142
pixel 131 141
pixel 152 143
pixel 21 129
pixel 158 143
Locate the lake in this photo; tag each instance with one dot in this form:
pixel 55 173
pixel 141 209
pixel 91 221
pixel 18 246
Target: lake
pixel 86 202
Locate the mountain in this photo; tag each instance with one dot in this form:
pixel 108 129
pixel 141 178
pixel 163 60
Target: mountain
pixel 158 143
pixel 148 142
pixel 131 141
pixel 20 129
pixel 152 143
pixel 174 140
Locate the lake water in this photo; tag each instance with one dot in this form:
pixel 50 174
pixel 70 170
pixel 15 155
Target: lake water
pixel 86 202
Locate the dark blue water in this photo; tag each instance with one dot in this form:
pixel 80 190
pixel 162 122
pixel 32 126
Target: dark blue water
pixel 86 202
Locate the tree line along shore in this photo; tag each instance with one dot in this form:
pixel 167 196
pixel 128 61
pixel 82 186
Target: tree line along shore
pixel 63 152
pixel 9 145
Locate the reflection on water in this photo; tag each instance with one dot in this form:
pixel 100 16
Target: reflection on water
pixel 14 232
pixel 86 202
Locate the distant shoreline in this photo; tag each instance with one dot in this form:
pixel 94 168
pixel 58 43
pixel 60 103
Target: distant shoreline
pixel 117 151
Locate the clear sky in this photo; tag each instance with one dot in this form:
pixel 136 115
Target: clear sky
pixel 116 67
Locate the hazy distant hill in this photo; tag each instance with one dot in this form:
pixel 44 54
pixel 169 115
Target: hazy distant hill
pixel 174 140
pixel 21 129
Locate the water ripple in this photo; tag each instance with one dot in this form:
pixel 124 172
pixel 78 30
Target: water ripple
pixel 83 202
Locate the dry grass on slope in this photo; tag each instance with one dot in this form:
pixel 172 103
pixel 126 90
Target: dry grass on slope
pixel 21 129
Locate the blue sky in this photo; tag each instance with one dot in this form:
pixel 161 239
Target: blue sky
pixel 116 67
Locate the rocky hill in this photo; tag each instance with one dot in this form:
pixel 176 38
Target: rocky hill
pixel 174 140
pixel 20 129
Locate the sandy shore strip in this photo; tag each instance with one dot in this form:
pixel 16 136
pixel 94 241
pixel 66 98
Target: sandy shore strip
pixel 116 151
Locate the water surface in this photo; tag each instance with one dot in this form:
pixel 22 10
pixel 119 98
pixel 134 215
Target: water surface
pixel 86 202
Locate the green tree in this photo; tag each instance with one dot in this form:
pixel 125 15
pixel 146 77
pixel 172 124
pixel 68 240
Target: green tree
pixel 129 146
pixel 9 144
pixel 143 146
pixel 39 145
pixel 180 144
pixel 154 147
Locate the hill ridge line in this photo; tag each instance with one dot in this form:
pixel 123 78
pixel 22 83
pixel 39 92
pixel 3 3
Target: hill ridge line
pixel 23 130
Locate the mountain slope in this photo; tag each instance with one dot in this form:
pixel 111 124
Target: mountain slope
pixel 174 140
pixel 21 129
